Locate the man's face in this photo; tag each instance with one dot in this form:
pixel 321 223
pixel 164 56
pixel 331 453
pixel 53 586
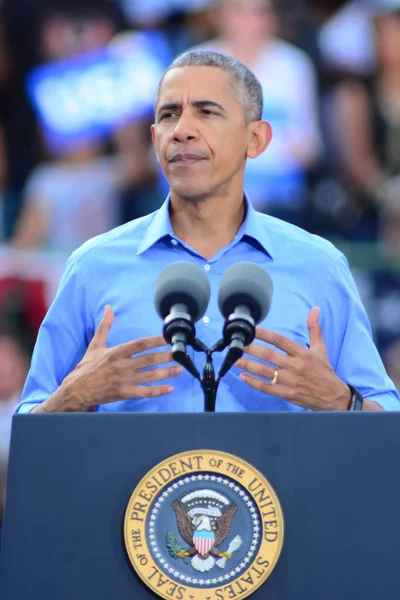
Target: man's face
pixel 200 132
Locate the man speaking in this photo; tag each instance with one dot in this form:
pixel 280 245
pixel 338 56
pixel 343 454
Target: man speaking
pixel 100 346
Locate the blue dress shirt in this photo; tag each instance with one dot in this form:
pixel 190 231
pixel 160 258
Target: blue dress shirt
pixel 120 268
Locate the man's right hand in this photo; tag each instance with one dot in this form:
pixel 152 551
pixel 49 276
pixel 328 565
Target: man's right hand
pixel 109 374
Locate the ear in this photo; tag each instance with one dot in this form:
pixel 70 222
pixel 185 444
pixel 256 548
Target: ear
pixel 260 135
pixel 153 138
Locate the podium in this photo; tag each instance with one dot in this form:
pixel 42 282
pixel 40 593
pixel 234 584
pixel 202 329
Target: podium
pixel 337 477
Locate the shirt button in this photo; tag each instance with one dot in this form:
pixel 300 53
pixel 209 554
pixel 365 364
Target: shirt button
pixel 207 267
pixel 174 242
pixel 206 320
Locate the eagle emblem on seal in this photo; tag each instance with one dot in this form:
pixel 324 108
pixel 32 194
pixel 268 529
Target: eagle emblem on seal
pixel 204 520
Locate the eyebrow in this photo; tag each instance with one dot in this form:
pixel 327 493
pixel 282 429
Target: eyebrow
pixel 195 103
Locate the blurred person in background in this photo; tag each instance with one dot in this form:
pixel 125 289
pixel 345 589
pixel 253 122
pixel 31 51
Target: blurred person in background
pixel 277 180
pixel 182 17
pixel 35 33
pixel 69 200
pixel 3 179
pixel 4 72
pixel 68 31
pixel 14 365
pixel 16 344
pixel 345 38
pixel 367 117
pixel 16 119
pixel 146 192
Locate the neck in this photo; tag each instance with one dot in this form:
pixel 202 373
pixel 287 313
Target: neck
pixel 207 225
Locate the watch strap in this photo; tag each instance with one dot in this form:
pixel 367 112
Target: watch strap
pixel 357 401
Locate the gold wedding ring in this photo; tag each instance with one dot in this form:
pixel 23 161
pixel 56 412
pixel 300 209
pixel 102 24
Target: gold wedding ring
pixel 274 380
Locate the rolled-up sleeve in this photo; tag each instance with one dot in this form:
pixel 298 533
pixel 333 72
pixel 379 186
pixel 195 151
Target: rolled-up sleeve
pixel 62 339
pixel 347 331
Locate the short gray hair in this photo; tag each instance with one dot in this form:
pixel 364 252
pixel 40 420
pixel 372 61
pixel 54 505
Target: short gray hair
pixel 245 83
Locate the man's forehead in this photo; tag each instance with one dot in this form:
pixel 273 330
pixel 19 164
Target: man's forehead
pixel 189 82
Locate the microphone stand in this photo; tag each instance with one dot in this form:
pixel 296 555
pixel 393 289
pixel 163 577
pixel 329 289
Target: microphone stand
pixel 237 332
pixel 208 382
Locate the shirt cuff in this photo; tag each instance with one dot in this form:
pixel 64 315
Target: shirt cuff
pixel 388 401
pixel 25 407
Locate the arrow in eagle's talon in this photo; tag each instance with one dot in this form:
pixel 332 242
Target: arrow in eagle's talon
pixel 233 546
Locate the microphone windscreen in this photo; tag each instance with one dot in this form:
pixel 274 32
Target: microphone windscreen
pixel 249 284
pixel 182 283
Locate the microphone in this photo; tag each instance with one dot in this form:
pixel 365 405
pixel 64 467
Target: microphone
pixel 181 299
pixel 244 300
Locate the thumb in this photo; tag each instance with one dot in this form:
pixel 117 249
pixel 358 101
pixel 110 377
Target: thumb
pixel 314 329
pixel 100 337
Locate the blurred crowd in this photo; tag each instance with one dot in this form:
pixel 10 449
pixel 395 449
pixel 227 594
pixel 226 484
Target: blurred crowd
pixel 330 72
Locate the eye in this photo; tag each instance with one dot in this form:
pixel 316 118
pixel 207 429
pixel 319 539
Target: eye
pixel 167 116
pixel 206 111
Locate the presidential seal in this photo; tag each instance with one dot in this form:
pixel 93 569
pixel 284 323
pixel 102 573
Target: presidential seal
pixel 203 525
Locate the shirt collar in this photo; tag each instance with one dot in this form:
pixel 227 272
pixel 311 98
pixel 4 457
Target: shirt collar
pixel 252 227
pixel 159 228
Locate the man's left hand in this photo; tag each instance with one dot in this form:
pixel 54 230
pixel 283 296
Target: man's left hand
pixel 302 376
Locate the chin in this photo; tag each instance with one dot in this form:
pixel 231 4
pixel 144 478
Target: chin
pixel 190 194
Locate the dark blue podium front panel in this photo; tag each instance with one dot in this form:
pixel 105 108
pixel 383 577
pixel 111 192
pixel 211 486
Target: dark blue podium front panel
pixel 70 478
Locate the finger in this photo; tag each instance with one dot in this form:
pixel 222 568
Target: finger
pixel 267 354
pixel 144 361
pixel 151 359
pixel 133 364
pixel 100 337
pixel 314 329
pixel 127 373
pixel 279 341
pixel 158 374
pixel 138 346
pixel 278 389
pixel 261 369
pixel 143 391
pixel 153 391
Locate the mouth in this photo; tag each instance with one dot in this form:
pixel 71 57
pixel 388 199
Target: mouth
pixel 183 160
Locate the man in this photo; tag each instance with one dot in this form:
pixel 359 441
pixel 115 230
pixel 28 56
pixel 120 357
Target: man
pixel 99 345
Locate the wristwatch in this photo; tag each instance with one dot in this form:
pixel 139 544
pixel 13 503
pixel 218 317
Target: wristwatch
pixel 357 401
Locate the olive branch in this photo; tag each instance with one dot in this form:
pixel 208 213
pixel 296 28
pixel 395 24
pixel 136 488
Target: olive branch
pixel 174 546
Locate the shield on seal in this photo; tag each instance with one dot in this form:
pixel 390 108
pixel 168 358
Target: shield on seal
pixel 203 541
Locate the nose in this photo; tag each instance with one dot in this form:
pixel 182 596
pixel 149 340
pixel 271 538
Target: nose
pixel 185 129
